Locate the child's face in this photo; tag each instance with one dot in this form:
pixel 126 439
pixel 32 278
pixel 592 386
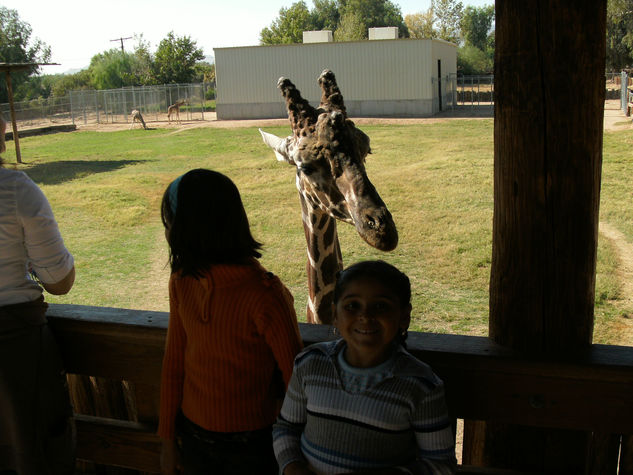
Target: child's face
pixel 369 316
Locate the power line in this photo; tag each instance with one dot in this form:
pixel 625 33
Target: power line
pixel 121 40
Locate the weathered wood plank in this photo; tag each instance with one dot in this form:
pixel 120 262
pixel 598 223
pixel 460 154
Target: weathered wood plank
pixel 484 380
pixel 118 443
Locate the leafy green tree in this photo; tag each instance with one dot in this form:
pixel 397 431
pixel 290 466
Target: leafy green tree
pixel 16 46
pixel 420 25
pixel 32 88
pixel 111 69
pixel 376 13
pixel 619 54
pixel 62 84
pixel 175 60
pixel 142 62
pixel 324 15
pixel 476 24
pixel 448 15
pixel 472 60
pixel 347 15
pixel 289 26
pixel 205 72
pixel 351 28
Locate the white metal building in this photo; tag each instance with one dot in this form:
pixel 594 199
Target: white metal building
pixel 379 78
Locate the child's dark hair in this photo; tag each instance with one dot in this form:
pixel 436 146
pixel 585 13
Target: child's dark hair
pixel 381 271
pixel 206 223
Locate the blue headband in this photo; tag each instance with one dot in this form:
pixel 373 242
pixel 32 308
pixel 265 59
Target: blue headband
pixel 173 194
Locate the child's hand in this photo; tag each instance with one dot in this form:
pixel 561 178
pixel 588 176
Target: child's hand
pixel 297 468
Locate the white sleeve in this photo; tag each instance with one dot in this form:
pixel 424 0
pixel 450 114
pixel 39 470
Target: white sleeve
pixel 48 257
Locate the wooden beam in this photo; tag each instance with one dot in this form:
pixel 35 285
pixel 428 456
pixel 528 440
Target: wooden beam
pixel 118 443
pixel 484 380
pixel 16 138
pixel 549 106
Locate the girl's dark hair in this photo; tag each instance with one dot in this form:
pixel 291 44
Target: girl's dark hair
pixel 381 271
pixel 209 225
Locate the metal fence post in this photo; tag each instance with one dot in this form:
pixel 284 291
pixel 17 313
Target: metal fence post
pixel 624 91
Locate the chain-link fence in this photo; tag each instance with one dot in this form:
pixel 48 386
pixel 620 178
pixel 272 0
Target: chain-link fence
pixel 115 105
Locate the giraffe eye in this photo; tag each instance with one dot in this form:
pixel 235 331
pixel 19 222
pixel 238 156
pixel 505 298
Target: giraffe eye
pixel 307 169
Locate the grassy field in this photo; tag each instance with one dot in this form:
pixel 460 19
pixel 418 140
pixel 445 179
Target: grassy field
pixel 436 178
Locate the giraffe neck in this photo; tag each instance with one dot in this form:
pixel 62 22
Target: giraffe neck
pixel 324 261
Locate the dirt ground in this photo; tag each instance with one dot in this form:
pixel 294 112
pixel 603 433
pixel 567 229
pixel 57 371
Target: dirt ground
pixel 211 120
pixel 614 119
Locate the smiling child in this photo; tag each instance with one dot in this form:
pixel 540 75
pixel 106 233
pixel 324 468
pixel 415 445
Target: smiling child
pixel 363 404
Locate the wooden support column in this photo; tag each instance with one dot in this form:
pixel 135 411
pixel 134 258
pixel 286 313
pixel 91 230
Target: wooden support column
pixel 549 107
pixel 16 139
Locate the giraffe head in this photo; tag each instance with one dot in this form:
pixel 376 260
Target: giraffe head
pixel 329 153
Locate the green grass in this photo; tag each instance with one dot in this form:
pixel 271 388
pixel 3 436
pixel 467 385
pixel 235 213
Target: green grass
pixel 436 178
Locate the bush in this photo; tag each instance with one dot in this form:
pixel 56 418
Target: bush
pixel 473 61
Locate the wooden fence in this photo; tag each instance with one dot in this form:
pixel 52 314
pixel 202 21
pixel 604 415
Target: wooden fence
pixel 591 392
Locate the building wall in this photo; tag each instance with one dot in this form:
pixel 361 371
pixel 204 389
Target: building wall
pixel 386 78
pixel 446 53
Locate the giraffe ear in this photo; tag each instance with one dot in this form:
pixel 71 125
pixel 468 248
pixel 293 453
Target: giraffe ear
pixel 279 146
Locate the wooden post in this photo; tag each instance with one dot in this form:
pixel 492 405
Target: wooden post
pixel 549 107
pixel 16 139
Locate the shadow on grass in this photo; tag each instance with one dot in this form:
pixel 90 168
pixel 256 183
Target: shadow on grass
pixel 54 173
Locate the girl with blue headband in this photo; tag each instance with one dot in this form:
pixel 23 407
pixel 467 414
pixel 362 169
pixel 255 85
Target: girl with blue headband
pixel 232 335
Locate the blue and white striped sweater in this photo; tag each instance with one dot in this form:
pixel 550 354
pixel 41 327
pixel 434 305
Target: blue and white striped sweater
pixel 401 421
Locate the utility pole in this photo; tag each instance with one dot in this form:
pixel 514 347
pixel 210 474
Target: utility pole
pixel 121 40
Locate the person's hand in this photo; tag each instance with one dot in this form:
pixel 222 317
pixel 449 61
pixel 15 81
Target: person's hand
pixel 297 468
pixel 170 458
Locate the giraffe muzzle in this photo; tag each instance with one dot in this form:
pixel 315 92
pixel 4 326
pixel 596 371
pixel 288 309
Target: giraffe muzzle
pixel 378 230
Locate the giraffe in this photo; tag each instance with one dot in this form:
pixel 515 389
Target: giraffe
pixel 175 109
pixel 329 153
pixel 137 117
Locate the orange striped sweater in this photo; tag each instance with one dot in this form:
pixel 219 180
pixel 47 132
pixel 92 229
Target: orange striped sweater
pixel 231 341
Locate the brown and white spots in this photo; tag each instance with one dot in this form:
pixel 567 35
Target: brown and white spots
pixel 137 117
pixel 174 110
pixel 329 154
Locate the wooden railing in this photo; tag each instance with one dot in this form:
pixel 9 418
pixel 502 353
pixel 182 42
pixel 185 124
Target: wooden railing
pixel 590 392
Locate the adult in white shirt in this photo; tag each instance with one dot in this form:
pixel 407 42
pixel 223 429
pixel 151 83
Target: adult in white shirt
pixel 36 427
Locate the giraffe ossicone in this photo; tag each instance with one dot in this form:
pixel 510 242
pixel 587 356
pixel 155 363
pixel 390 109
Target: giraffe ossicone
pixel 329 152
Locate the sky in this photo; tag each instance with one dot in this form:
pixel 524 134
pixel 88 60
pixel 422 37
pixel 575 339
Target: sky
pixel 76 30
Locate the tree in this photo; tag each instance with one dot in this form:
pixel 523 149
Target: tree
pixel 142 62
pixel 351 28
pixel 324 15
pixel 175 60
pixel 448 15
pixel 289 26
pixel 420 25
pixel 471 60
pixel 111 69
pixel 205 72
pixel 619 34
pixel 476 24
pixel 375 14
pixel 347 15
pixel 16 46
